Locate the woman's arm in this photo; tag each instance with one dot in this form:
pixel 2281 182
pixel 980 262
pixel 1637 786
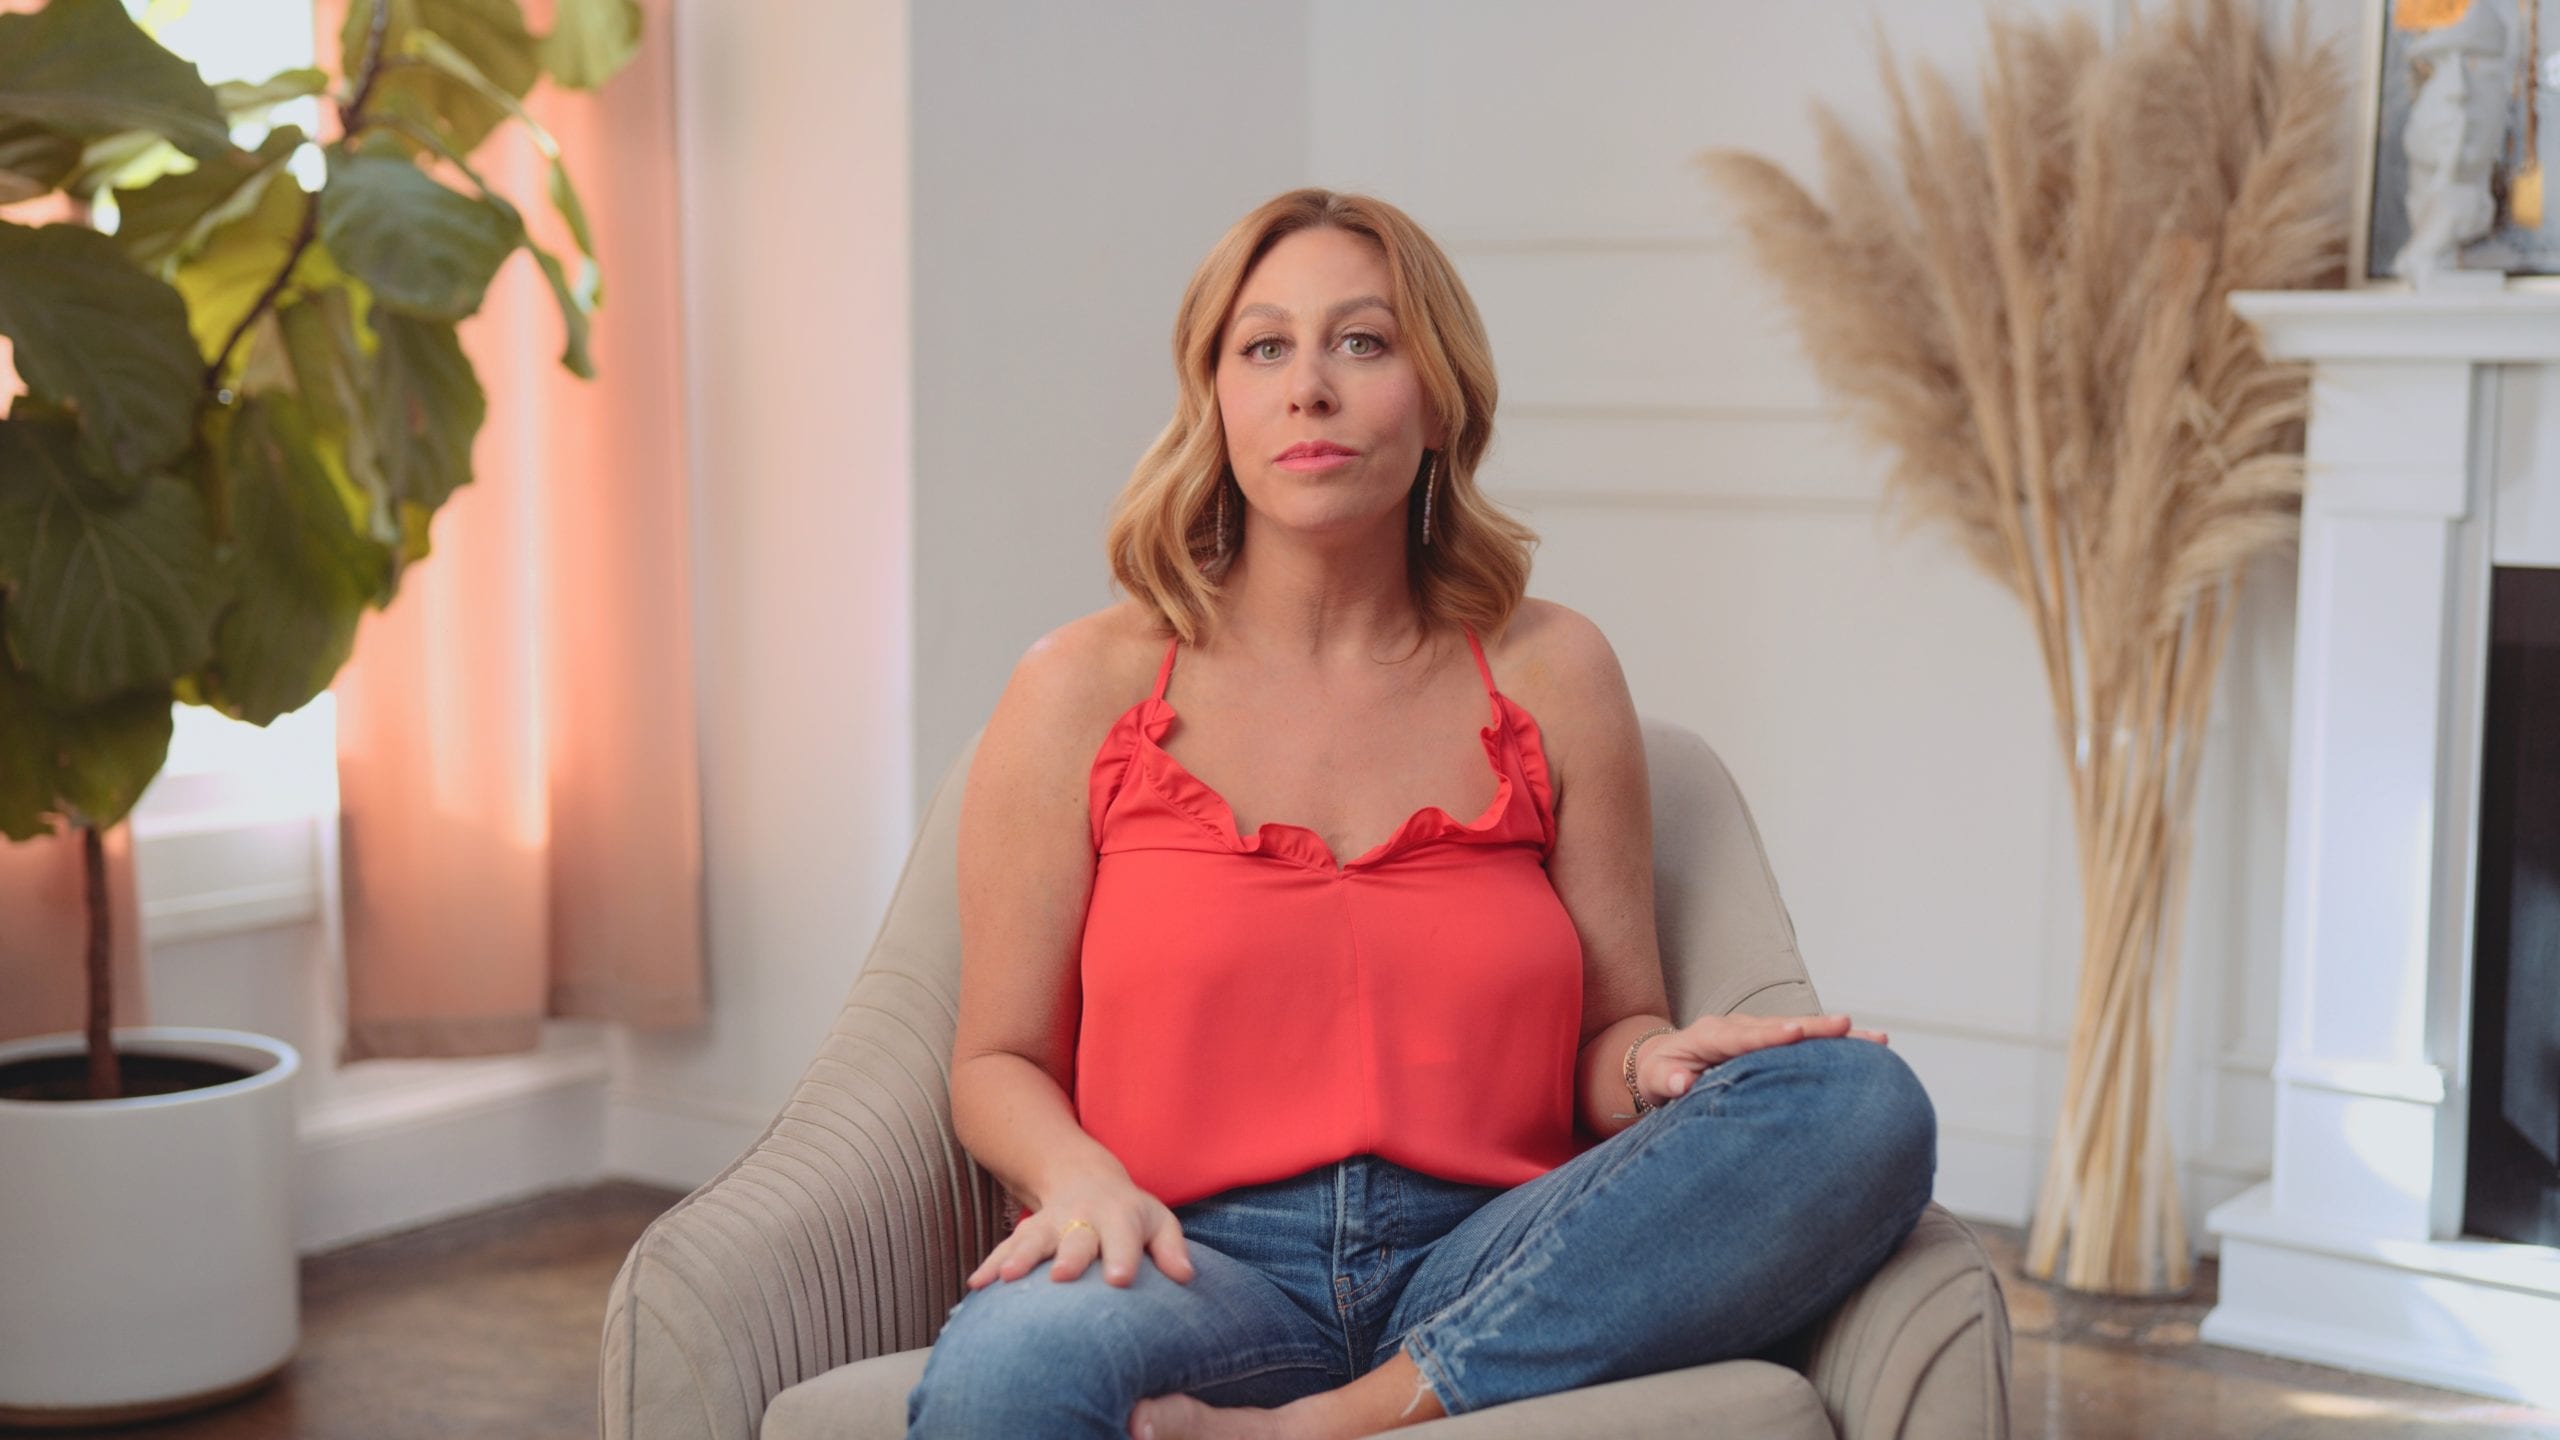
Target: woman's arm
pixel 1026 875
pixel 1602 862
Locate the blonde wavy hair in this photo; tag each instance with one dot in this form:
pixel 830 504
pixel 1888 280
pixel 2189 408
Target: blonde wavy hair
pixel 1162 535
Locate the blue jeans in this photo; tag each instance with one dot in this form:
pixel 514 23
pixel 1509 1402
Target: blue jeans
pixel 1713 1228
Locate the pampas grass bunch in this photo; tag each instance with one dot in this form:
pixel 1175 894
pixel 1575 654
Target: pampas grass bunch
pixel 2031 316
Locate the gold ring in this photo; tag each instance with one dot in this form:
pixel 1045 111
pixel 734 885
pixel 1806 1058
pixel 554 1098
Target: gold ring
pixel 1070 1225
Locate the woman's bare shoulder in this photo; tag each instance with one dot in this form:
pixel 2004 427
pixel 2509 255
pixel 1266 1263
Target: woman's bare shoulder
pixel 1553 655
pixel 1568 678
pixel 1082 674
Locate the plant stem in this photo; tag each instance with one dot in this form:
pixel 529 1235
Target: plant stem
pixel 376 32
pixel 350 120
pixel 302 239
pixel 106 1080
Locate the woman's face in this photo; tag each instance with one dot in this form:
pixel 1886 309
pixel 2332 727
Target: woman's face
pixel 1312 351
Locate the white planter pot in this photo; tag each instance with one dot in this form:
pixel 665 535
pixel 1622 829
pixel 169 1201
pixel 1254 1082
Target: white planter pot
pixel 147 1263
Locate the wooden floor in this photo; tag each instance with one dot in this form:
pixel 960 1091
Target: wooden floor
pixel 488 1326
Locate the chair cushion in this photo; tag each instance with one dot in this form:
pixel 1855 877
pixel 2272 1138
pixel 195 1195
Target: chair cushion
pixel 867 1400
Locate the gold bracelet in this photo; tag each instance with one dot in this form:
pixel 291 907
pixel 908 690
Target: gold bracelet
pixel 1643 1106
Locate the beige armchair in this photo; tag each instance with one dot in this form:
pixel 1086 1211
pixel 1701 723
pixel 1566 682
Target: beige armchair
pixel 796 1295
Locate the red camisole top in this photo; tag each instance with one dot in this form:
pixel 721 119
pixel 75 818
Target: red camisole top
pixel 1253 1008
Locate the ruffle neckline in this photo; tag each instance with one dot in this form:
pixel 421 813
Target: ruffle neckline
pixel 1149 720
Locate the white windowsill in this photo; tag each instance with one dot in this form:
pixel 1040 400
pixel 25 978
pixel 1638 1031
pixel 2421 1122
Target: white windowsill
pixel 228 838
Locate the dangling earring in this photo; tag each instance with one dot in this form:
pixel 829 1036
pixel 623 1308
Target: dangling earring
pixel 1430 484
pixel 1222 515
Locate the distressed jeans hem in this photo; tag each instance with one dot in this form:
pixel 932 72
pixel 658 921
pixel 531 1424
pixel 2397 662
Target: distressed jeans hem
pixel 1453 1401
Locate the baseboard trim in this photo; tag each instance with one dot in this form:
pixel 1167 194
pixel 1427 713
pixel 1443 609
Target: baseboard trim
pixel 507 1127
pixel 2472 1315
pixel 675 1140
pixel 374 1164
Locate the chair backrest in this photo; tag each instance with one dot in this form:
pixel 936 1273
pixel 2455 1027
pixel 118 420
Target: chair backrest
pixel 1728 943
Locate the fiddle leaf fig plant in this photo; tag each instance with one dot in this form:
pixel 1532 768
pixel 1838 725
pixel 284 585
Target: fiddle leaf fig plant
pixel 246 398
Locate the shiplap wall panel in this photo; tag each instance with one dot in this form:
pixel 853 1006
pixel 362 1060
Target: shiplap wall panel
pixel 1777 633
pixel 1522 122
pixel 1629 455
pixel 1596 327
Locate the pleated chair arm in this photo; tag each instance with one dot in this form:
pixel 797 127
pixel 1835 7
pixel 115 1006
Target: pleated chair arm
pixel 837 1237
pixel 1921 1352
pixel 841 1233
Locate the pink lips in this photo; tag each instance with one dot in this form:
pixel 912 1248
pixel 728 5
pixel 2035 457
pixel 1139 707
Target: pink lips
pixel 1325 461
pixel 1309 455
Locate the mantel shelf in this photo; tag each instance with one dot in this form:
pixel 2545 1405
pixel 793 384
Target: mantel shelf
pixel 2509 326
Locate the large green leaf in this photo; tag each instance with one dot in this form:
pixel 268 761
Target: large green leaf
pixel 33 160
pixel 590 40
pixel 423 249
pixel 491 32
pixel 107 594
pixel 330 362
pixel 84 69
pixel 87 763
pixel 302 571
pixel 28 751
pixel 110 752
pixel 94 330
pixel 169 219
pixel 427 407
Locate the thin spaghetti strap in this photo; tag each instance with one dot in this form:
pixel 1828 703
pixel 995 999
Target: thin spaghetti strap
pixel 1164 672
pixel 1481 668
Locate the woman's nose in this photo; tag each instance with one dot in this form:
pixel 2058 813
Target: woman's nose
pixel 1312 393
pixel 1309 387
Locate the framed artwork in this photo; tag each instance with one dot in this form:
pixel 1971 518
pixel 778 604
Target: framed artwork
pixel 2457 130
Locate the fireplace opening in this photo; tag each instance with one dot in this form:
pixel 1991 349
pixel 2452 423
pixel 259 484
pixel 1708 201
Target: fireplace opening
pixel 2512 1178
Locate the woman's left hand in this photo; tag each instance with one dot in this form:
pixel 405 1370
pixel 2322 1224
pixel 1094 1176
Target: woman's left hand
pixel 1670 1063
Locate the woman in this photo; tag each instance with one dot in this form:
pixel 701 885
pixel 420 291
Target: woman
pixel 1357 1142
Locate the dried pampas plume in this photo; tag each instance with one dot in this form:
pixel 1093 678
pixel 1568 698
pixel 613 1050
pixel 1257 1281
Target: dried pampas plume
pixel 2032 317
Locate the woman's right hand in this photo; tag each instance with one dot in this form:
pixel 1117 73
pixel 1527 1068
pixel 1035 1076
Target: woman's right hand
pixel 1125 1222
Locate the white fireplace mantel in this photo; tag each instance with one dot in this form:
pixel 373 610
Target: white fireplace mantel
pixel 2352 1252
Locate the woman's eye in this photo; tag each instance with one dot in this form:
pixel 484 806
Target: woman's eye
pixel 1252 351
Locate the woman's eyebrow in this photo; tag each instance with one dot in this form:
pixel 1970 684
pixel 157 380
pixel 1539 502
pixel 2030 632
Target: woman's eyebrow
pixel 1279 312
